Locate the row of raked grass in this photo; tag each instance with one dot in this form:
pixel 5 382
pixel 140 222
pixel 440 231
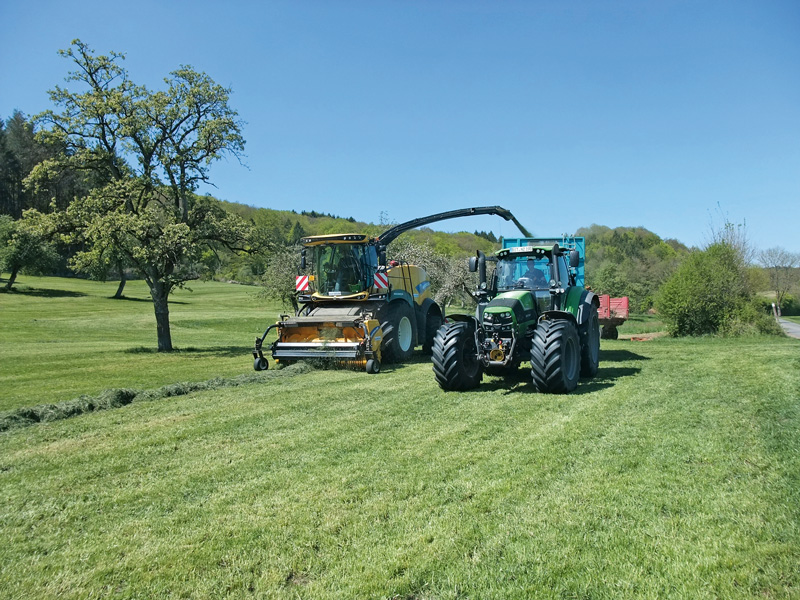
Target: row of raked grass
pixel 675 473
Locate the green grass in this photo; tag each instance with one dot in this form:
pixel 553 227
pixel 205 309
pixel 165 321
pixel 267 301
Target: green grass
pixel 638 324
pixel 792 319
pixel 673 474
pixel 67 337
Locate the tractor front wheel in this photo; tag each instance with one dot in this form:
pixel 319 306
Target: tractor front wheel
pixel 456 366
pixel 555 357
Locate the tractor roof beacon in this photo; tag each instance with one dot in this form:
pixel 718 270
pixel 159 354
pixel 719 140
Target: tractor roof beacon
pixel 533 308
pixel 354 310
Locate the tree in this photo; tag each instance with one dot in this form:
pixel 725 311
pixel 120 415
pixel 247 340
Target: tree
pixel 732 234
pixel 709 294
pixel 23 247
pixel 146 152
pixel 449 275
pixel 783 268
pixel 629 261
pixel 278 281
pixel 20 152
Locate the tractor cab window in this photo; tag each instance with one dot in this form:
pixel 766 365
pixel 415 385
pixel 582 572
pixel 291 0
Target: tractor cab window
pixel 523 274
pixel 563 271
pixel 343 269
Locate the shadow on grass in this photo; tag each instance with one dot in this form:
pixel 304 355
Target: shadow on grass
pixel 145 300
pixel 520 381
pixel 44 292
pixel 220 351
pixel 620 356
pixel 606 377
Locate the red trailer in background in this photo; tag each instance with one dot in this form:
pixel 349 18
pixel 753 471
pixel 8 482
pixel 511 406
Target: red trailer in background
pixel 612 312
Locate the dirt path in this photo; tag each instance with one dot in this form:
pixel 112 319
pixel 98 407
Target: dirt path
pixel 791 329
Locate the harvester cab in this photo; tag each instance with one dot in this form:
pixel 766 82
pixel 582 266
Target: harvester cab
pixel 354 309
pixel 342 266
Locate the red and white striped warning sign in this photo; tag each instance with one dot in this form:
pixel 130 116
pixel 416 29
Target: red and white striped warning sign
pixel 381 280
pixel 301 283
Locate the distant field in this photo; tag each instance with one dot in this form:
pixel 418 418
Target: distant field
pixel 65 337
pixel 793 319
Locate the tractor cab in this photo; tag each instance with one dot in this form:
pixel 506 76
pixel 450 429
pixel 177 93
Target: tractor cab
pixel 534 268
pixel 341 265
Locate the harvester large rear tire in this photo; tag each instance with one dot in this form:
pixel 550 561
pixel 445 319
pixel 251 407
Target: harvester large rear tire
pixel 555 357
pixel 456 366
pixel 397 344
pixel 432 324
pixel 590 344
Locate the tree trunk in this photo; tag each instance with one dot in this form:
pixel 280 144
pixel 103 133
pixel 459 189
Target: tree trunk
pixel 160 294
pixel 12 278
pixel 122 280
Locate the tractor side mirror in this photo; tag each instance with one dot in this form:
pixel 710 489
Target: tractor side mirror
pixel 303 259
pixel 574 259
pixel 473 264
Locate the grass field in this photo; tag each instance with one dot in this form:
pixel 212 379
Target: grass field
pixel 65 337
pixel 674 474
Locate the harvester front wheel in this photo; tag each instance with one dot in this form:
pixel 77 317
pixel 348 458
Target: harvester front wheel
pixel 373 366
pixel 456 366
pixel 590 344
pixel 555 357
pixel 398 333
pixel 260 364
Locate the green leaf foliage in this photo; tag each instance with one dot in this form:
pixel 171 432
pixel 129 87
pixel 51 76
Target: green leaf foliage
pixel 23 247
pixel 147 152
pixel 709 294
pixel 629 261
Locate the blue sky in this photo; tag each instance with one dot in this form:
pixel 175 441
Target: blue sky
pixel 669 115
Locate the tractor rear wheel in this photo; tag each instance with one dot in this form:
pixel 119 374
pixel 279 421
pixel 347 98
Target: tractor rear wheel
pixel 456 366
pixel 590 345
pixel 398 333
pixel 555 357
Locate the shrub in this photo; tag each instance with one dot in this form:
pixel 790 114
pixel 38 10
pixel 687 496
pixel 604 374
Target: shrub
pixel 709 294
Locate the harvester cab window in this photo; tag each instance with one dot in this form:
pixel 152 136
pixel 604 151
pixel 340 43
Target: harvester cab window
pixel 340 268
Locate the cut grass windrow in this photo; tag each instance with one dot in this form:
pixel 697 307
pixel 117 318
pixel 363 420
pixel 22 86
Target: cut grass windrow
pixel 115 398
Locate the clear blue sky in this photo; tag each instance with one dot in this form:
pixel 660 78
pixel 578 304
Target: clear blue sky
pixel 621 113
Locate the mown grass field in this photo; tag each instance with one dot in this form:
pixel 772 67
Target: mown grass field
pixel 674 474
pixel 65 337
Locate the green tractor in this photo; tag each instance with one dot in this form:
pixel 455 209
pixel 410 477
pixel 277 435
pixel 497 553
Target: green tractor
pixel 535 309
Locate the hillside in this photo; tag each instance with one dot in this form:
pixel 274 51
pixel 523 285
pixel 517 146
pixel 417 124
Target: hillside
pixel 290 225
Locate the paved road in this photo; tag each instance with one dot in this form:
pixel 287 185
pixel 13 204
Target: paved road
pixel 791 329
